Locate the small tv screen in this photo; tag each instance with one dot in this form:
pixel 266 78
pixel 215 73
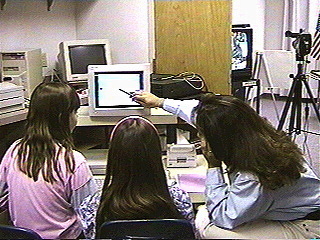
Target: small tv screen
pixel 241 49
pixel 82 56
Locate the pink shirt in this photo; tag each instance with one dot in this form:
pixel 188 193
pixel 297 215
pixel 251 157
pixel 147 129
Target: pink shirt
pixel 43 207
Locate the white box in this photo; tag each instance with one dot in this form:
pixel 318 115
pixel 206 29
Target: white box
pixel 11 98
pixel 182 155
pixel 23 66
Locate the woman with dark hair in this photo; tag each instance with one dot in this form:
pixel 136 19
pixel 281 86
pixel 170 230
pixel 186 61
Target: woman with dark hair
pixel 135 185
pixel 244 141
pixel 42 179
pixel 272 189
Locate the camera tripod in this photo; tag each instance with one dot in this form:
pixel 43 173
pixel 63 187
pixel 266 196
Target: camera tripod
pixel 295 98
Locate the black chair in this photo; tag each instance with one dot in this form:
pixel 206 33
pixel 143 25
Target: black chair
pixel 147 229
pixel 12 232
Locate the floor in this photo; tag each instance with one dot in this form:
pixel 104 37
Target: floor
pixel 309 138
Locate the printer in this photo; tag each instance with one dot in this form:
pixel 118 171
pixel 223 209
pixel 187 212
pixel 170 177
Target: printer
pixel 182 155
pixel 11 98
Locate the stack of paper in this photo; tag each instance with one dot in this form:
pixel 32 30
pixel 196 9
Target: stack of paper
pixel 192 182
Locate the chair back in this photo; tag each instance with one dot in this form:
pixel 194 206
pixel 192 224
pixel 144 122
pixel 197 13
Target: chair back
pixel 151 229
pixel 12 232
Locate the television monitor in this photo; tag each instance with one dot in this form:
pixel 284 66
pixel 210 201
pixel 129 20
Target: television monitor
pixel 110 86
pixel 75 57
pixel 241 51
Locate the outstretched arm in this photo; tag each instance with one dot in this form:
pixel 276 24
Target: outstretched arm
pixel 148 99
pixel 182 108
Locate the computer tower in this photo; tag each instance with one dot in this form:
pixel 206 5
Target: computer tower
pixel 23 68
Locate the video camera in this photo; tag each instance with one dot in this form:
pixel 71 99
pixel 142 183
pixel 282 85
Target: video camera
pixel 302 44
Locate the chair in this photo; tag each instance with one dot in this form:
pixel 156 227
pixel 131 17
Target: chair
pixel 147 229
pixel 12 232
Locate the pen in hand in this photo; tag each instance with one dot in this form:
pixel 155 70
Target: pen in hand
pixel 131 94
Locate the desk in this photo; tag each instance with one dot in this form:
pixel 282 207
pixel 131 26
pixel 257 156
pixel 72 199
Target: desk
pixel 200 169
pixel 97 160
pixel 13 117
pixel 157 116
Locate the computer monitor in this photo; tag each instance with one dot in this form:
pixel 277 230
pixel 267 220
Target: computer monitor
pixel 241 50
pixel 75 57
pixel 110 86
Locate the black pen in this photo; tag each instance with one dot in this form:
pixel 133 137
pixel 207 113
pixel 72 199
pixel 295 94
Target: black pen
pixel 132 94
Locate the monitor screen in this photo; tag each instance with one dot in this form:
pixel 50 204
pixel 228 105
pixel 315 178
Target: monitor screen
pixel 111 87
pixel 82 56
pixel 75 56
pixel 241 49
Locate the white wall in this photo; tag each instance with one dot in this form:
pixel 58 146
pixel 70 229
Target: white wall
pixel 127 24
pixel 268 22
pixel 28 24
pixel 269 25
pixel 274 31
pixel 252 12
pixel 124 22
pixel 314 10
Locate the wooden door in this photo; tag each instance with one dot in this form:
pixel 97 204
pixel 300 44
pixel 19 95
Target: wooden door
pixel 194 36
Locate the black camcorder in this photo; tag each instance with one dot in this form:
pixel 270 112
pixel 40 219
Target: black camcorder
pixel 302 44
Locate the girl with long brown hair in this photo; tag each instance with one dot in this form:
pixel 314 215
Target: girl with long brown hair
pixel 42 179
pixel 135 185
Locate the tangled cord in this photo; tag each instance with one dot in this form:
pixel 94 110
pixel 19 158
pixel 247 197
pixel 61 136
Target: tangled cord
pixel 189 77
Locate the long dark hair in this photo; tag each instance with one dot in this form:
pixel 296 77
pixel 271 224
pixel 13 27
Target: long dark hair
pixel 135 186
pixel 48 131
pixel 244 141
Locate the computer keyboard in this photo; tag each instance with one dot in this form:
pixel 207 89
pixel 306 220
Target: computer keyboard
pixel 99 179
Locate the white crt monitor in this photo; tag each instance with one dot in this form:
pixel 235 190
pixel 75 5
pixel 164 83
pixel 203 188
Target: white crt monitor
pixel 75 57
pixel 108 84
